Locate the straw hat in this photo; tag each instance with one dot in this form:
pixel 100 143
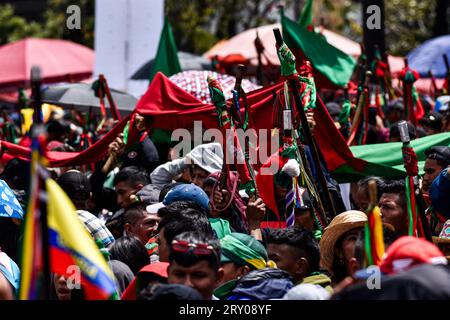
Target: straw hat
pixel 342 223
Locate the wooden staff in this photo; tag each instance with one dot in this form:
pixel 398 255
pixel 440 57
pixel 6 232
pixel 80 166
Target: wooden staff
pixel 405 92
pixel 447 66
pixel 36 93
pixel 433 82
pixel 112 105
pixel 359 108
pixel 259 49
pixel 39 133
pixel 413 182
pixel 388 78
pixel 293 84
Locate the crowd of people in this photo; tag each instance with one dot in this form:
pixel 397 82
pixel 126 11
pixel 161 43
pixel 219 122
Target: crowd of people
pixel 163 225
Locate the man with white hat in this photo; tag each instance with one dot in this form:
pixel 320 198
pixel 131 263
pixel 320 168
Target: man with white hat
pixel 194 167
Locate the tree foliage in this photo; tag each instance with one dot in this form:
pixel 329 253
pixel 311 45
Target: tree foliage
pixel 199 24
pixel 13 27
pixel 408 24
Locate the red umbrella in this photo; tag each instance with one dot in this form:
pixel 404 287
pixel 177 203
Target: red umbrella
pixel 60 60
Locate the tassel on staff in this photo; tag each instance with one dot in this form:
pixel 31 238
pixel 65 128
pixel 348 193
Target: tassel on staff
pixel 374 241
pixel 413 106
pixel 306 100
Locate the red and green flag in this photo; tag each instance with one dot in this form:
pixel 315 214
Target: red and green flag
pixel 386 159
pixel 306 17
pixel 332 67
pixel 166 60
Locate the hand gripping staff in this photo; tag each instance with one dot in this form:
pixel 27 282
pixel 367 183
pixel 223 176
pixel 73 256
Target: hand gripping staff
pixel 418 223
pixel 304 101
pixel 101 89
pixel 362 107
pixel 232 145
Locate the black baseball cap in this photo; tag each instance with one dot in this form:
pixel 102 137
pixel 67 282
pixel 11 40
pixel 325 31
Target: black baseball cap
pixel 432 120
pixel 75 184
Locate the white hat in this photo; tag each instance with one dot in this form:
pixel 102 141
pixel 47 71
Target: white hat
pixel 153 208
pixel 207 156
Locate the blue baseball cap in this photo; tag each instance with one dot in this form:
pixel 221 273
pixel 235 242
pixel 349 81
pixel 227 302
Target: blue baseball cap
pixel 182 192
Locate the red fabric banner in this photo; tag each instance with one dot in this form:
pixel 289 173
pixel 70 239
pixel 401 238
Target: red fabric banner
pixel 171 107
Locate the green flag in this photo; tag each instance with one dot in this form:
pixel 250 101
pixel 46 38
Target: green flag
pixel 386 159
pixel 306 17
pixel 166 60
pixel 336 66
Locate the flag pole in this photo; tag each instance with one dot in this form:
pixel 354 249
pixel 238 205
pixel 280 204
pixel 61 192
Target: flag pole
pixel 38 136
pixel 433 82
pixel 447 76
pixel 36 81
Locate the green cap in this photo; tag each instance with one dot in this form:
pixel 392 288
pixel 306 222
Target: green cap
pixel 242 249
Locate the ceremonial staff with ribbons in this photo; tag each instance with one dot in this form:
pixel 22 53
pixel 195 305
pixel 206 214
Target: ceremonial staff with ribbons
pixel 295 117
pixel 361 113
pixel 373 230
pixel 418 223
pixel 232 146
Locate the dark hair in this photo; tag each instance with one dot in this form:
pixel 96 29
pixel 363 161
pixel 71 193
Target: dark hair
pixel 130 251
pixel 132 175
pixel 168 292
pixel 394 131
pixel 432 120
pixel 339 270
pixel 167 188
pixel 300 239
pixel 17 174
pixel 57 127
pixel 209 182
pixel 363 185
pixel 389 236
pixel 9 237
pixel 441 154
pixel 179 206
pixel 189 258
pixel 133 213
pixel 395 186
pixel 77 187
pixel 364 182
pixel 183 216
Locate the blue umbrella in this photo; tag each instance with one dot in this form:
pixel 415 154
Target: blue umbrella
pixel 9 205
pixel 428 56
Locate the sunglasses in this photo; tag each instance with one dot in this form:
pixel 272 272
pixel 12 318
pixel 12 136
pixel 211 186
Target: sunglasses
pixel 182 246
